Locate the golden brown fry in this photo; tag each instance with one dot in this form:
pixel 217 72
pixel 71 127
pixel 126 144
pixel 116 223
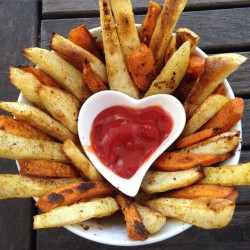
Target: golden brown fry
pixel 43 168
pixel 135 228
pixel 204 190
pixel 72 193
pixel 148 25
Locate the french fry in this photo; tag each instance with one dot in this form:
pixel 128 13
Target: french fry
pixel 221 89
pixel 135 227
pixel 118 74
pixel 204 112
pixel 63 72
pixel 228 175
pixel 155 182
pixel 76 213
pixel 151 219
pixel 206 213
pixel 91 79
pixel 127 32
pixel 142 67
pixel 149 23
pixel 20 148
pixel 17 186
pixel 22 128
pixel 217 68
pixel 72 193
pixel 179 160
pixel 171 49
pixel 27 83
pixel 61 105
pixel 80 161
pixel 172 73
pixel 76 55
pixel 204 190
pixel 44 168
pixel 82 37
pixel 164 29
pixel 38 119
pixel 194 71
pixel 197 137
pixel 228 116
pixel 42 77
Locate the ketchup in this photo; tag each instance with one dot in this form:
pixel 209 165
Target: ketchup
pixel 123 137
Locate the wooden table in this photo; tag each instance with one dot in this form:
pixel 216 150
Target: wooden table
pixel 223 26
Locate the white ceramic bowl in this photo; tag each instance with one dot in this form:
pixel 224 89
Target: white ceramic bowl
pixel 112 230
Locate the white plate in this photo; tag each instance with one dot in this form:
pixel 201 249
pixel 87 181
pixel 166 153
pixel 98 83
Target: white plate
pixel 112 230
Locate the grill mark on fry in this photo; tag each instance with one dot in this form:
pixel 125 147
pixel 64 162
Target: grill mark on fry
pixel 55 198
pixel 83 187
pixel 140 229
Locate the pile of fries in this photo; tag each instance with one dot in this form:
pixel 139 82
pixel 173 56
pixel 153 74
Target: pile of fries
pixel 43 138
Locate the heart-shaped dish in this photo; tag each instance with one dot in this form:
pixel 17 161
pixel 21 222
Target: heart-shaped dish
pixel 106 99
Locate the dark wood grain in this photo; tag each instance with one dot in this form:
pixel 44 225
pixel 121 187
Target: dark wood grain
pixel 220 30
pixel 17 31
pixel 78 8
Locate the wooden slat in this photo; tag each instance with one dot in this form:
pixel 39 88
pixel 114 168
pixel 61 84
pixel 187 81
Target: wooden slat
pixel 17 31
pixel 233 237
pixel 220 30
pixel 66 8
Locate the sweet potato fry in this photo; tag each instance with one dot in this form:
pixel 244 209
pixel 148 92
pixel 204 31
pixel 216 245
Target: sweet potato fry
pixel 148 25
pixel 142 66
pixel 43 168
pixel 176 161
pixel 194 71
pixel 22 128
pixel 91 79
pixel 82 37
pixel 135 228
pixel 197 137
pixel 221 89
pixel 204 190
pixel 42 77
pixel 228 116
pixel 69 194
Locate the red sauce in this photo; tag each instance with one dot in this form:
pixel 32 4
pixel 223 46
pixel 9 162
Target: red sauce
pixel 123 137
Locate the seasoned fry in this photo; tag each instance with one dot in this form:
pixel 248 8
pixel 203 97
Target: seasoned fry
pixel 80 161
pixel 135 227
pixel 179 160
pixel 27 83
pixel 19 148
pixel 126 28
pixel 172 73
pixel 154 182
pixel 149 23
pixel 197 137
pixel 72 193
pixel 17 186
pixel 204 213
pixel 151 219
pixel 76 55
pixel 91 79
pixel 194 71
pixel 43 168
pixel 171 49
pixel 22 128
pixel 228 116
pixel 118 74
pixel 76 213
pixel 204 113
pixel 42 77
pixel 164 29
pixel 234 175
pixel 38 119
pixel 63 72
pixel 142 66
pixel 217 68
pixel 61 105
pixel 204 190
pixel 221 89
pixel 82 37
